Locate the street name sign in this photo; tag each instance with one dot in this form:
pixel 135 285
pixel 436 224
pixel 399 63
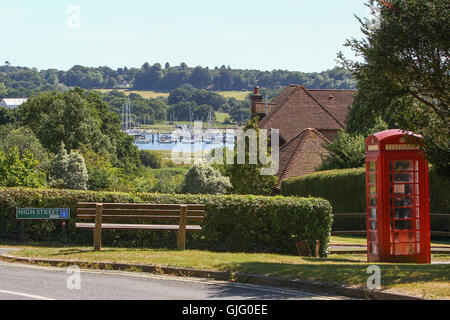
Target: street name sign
pixel 42 213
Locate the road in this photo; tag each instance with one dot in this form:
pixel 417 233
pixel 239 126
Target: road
pixel 24 282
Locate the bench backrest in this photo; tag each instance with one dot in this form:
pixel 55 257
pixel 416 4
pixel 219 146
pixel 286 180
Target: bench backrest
pixel 140 211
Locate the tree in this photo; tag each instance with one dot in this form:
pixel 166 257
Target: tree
pixel 77 176
pixel 150 158
pixel 69 170
pixel 25 141
pixel 247 178
pixel 201 77
pixel 405 73
pixel 239 110
pixel 3 90
pixel 205 179
pixel 102 174
pixel 347 150
pixel 79 119
pixel 18 170
pixel 179 95
pixel 208 97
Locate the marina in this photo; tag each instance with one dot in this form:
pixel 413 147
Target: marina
pixel 153 140
pixel 184 138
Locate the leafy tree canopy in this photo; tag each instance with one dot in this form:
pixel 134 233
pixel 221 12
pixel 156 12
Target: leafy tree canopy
pixel 18 170
pixel 405 73
pixel 78 119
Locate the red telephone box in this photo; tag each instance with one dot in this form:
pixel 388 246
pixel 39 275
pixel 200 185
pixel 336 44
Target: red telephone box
pixel 397 197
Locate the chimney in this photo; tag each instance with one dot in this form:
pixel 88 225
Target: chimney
pixel 255 97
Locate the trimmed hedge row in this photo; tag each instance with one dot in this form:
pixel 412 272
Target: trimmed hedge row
pixel 232 223
pixel 345 189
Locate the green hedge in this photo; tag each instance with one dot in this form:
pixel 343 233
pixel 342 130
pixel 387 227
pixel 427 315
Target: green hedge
pixel 345 189
pixel 232 223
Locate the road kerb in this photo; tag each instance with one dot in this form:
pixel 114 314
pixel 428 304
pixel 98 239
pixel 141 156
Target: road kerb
pixel 315 286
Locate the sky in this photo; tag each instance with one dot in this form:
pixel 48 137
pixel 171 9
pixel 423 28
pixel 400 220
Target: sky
pixel 295 35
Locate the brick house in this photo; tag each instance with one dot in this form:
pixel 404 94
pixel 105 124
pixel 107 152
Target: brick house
pixel 307 119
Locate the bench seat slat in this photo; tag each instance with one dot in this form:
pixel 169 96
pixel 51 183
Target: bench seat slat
pixel 137 226
pixel 139 206
pixel 140 211
pixel 138 217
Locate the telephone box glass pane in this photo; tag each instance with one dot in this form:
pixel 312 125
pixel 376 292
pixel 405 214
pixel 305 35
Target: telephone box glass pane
pixel 373 225
pixel 398 237
pixel 404 248
pixel 403 225
pixel 373 189
pixel 402 213
pixel 402 189
pixel 403 201
pixel 373 202
pixel 403 177
pixel 403 165
pixel 373 178
pixel 373 213
pixel 371 166
pixel 373 248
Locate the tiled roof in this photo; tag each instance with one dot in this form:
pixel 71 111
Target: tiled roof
pixel 336 101
pixel 298 108
pixel 301 155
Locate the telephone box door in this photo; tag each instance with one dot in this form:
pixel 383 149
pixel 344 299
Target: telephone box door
pixel 407 209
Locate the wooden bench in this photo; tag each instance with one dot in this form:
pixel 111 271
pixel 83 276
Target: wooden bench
pixel 100 212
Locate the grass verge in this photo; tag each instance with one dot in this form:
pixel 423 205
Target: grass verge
pixel 428 281
pixel 362 240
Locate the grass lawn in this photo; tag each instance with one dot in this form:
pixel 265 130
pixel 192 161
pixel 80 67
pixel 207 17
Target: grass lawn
pixel 429 281
pixel 144 94
pixel 221 116
pixel 239 95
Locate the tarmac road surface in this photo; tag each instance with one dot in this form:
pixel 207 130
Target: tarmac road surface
pixel 24 282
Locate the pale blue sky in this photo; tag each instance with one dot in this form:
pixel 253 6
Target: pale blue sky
pixel 297 35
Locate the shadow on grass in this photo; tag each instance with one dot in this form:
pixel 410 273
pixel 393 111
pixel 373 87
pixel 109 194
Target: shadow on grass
pixel 351 272
pixel 70 251
pixel 38 244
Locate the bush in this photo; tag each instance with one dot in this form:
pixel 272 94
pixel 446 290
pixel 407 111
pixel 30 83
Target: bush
pixel 25 140
pixel 345 189
pixel 232 223
pixel 69 170
pixel 18 170
pixel 205 179
pixel 102 174
pixel 346 151
pixel 150 158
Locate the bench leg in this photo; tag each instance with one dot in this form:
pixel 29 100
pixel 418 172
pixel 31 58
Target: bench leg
pixel 182 228
pixel 98 227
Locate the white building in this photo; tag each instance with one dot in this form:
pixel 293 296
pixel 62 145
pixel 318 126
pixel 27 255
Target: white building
pixel 12 103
